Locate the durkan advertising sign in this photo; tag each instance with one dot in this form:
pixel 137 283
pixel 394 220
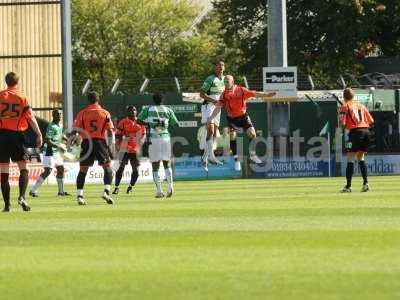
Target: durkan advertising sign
pixel 282 81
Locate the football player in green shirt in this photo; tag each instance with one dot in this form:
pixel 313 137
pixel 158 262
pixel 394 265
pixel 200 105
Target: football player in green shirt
pixel 159 118
pixel 212 88
pixel 52 155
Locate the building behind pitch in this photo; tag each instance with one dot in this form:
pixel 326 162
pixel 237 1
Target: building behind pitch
pixel 30 45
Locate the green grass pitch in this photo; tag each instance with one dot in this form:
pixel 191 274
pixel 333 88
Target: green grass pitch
pixel 228 239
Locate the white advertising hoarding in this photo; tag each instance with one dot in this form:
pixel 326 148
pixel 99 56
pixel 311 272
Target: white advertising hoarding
pixel 282 81
pixel 94 175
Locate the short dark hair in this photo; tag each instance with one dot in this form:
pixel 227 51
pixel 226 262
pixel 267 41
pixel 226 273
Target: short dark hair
pixel 348 94
pixel 11 79
pixel 55 110
pixel 157 98
pixel 130 108
pixel 93 97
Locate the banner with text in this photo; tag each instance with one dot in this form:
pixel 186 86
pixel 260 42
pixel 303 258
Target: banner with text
pixel 378 165
pixel 191 168
pixel 295 167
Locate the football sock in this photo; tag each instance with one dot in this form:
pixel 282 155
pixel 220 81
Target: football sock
pixel 210 149
pixel 108 176
pixel 80 180
pixel 60 184
pixel 234 147
pixel 118 175
pixel 349 173
pixel 79 192
pixel 5 188
pixel 37 184
pixel 364 171
pixel 107 188
pixel 252 146
pixel 157 181
pixel 23 182
pixel 134 176
pixel 169 176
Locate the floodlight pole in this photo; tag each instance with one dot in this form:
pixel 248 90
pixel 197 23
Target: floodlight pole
pixel 277 45
pixel 277 34
pixel 67 63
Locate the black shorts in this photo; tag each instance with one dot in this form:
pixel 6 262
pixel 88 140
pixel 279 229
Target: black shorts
pixel 131 157
pixel 359 140
pixel 243 122
pixel 95 149
pixel 12 146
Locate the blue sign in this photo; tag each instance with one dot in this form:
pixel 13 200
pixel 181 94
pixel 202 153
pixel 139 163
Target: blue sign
pixel 378 165
pixel 191 168
pixel 298 167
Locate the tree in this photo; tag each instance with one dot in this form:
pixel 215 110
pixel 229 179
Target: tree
pixel 324 38
pixel 130 39
pixel 385 30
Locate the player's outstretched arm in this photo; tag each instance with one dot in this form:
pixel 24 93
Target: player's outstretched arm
pixel 33 123
pixel 265 95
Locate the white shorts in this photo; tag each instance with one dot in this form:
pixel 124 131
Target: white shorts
pixel 160 149
pixel 206 111
pixel 53 161
pixel 202 138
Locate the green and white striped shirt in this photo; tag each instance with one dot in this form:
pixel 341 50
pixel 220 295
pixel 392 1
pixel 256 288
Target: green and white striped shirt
pixel 213 85
pixel 54 133
pixel 159 118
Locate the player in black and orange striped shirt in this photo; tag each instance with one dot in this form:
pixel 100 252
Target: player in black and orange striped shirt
pixel 356 118
pixel 15 118
pixel 95 125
